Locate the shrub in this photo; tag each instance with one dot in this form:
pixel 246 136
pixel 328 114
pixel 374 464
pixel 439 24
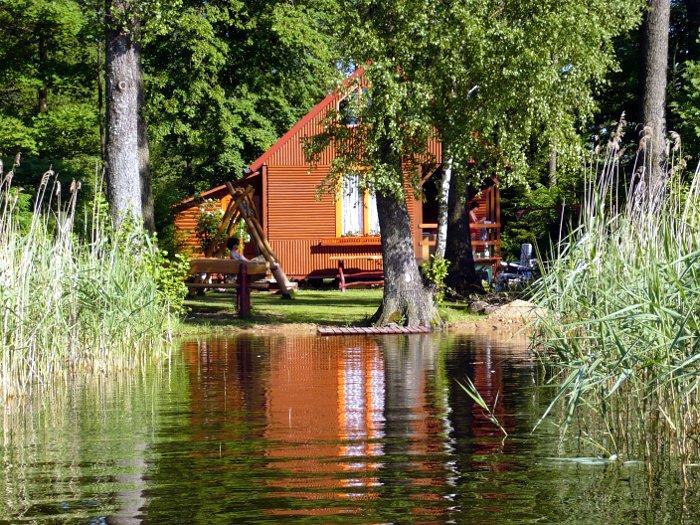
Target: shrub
pixel 169 276
pixel 208 222
pixel 435 271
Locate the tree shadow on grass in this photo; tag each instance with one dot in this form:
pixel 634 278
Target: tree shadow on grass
pixel 218 309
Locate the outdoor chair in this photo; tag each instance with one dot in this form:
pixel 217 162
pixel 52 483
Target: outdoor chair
pixel 517 273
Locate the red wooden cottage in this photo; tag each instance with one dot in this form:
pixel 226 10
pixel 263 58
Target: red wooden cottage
pixel 308 234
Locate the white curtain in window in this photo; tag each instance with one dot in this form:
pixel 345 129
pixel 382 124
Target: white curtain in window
pixel 352 206
pixel 373 217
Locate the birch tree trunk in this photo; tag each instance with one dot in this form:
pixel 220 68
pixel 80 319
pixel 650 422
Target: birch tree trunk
pixel 656 28
pixel 443 197
pixel 123 79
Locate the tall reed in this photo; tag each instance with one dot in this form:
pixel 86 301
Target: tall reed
pixel 70 302
pixel 624 297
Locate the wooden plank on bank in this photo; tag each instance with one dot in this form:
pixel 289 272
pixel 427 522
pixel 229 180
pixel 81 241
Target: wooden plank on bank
pixel 372 330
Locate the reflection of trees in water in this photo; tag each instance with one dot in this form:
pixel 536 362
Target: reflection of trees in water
pixel 81 448
pixel 215 447
pixel 409 474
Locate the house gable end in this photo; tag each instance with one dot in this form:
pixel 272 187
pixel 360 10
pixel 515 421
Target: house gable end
pixel 289 150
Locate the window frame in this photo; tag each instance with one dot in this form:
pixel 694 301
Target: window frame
pixel 366 203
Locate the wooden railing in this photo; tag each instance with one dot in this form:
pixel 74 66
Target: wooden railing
pixel 486 250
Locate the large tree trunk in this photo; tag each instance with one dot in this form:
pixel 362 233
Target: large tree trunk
pixel 122 138
pixel 462 278
pixel 443 207
pixel 406 299
pixel 656 28
pixel 43 93
pixel 693 22
pixel 149 220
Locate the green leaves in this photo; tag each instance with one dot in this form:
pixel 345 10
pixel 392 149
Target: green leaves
pixel 486 75
pixel 229 78
pixel 15 137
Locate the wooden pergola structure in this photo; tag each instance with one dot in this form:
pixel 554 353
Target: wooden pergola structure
pixel 242 208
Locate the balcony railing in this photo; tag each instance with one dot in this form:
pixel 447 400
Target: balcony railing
pixel 485 241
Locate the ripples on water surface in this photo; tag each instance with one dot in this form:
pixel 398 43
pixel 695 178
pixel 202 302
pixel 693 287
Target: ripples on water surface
pixel 366 430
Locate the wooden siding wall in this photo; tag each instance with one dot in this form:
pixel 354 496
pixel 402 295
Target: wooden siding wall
pixel 185 223
pixel 297 223
pixel 293 212
pixel 303 258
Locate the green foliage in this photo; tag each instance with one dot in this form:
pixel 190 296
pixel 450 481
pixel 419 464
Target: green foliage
pixel 21 209
pixel 208 222
pixel 486 75
pixel 535 209
pixel 169 275
pixel 48 87
pixel 68 130
pixel 16 137
pixel 47 51
pixel 688 107
pixel 223 81
pixel 623 319
pixel 435 271
pixel 252 69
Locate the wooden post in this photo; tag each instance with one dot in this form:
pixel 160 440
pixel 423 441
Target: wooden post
pixel 341 272
pixel 243 299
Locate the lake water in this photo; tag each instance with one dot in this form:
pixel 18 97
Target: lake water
pixel 314 429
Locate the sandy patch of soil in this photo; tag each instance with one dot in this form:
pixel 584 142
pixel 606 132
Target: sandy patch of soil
pixel 510 322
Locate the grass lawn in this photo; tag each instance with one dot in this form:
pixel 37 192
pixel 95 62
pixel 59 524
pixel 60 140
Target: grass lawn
pixel 324 307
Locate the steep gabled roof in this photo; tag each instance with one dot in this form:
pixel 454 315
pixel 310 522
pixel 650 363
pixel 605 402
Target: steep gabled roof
pixel 331 98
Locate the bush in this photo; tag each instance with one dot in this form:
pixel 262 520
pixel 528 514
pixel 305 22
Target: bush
pixel 169 276
pixel 434 272
pixel 208 222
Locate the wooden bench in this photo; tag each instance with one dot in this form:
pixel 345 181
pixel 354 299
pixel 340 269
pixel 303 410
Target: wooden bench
pixel 242 271
pixel 361 278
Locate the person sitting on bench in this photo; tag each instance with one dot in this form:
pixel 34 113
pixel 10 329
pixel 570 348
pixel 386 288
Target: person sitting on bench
pixel 233 244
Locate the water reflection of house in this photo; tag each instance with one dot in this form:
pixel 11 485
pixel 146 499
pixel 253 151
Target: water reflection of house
pixel 324 404
pixel 347 419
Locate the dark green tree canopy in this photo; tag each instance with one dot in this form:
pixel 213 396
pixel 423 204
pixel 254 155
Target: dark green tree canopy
pixel 229 77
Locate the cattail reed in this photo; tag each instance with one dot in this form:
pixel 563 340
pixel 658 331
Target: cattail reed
pixel 72 301
pixel 624 301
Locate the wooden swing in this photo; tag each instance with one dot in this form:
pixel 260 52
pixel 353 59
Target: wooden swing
pixel 242 208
